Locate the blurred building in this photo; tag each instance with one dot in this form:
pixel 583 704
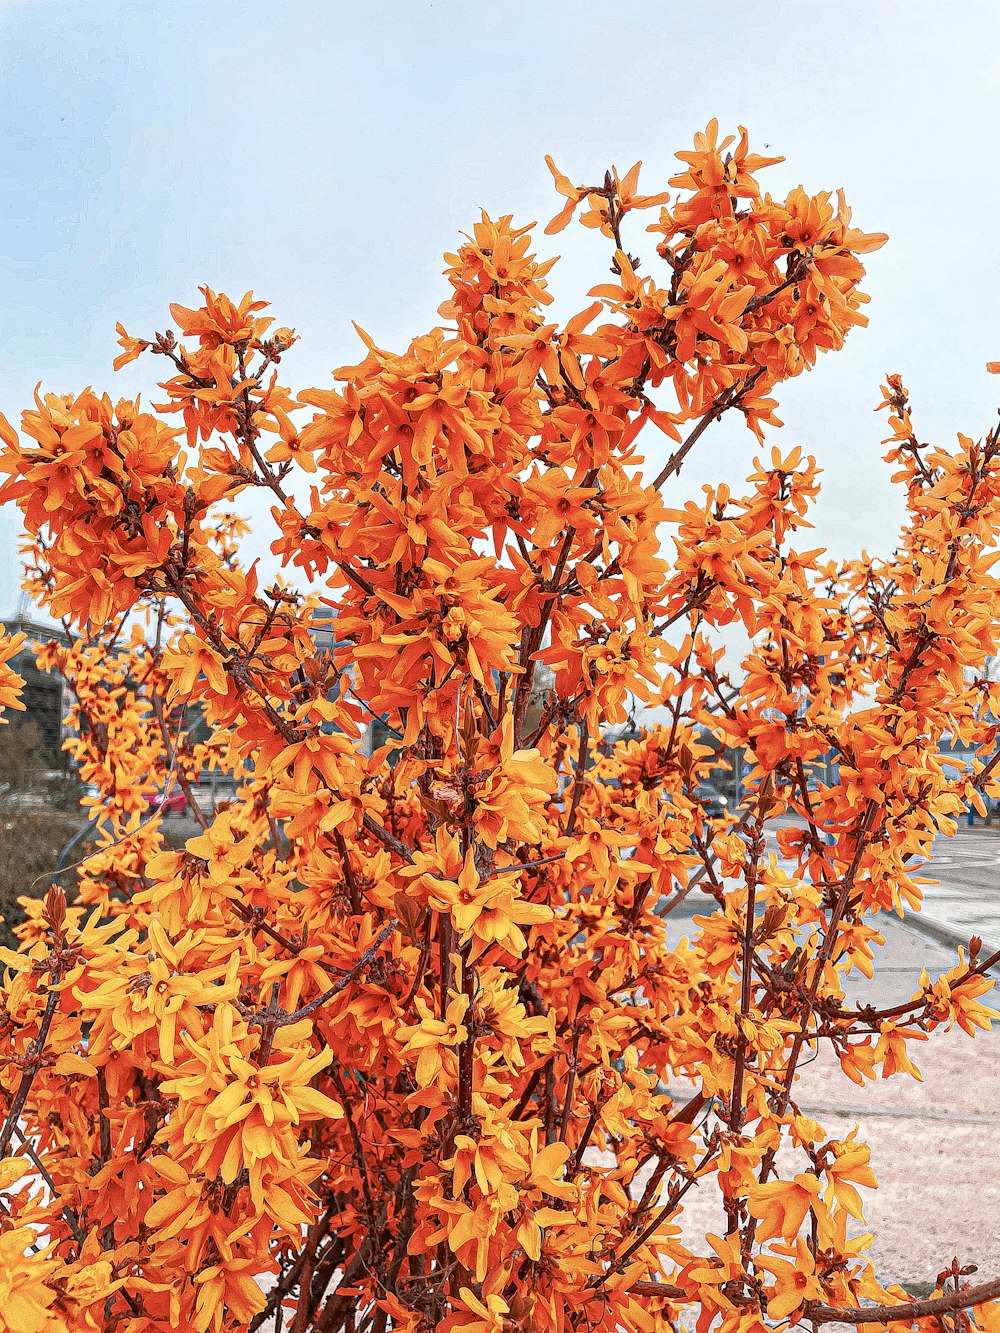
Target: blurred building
pixel 45 695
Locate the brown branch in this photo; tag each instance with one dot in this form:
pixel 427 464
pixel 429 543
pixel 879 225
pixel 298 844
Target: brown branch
pixel 887 1314
pixel 79 1235
pixel 364 961
pixel 674 1197
pixel 291 1275
pixel 526 865
pixel 387 839
pixel 818 1313
pixel 730 398
pixel 361 1161
pixel 241 676
pixel 665 1290
pixel 979 781
pixel 103 1106
pixel 746 982
pixel 866 1014
pixel 350 879
pixel 178 773
pixel 31 1068
pixel 531 639
pixel 705 871
pixel 821 960
pixel 252 916
pixel 578 780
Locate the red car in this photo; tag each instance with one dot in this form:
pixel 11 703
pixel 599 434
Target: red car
pixel 172 804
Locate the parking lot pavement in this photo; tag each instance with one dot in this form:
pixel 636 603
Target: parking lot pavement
pixel 962 898
pixel 935 1143
pixel 935 1149
pixel 966 899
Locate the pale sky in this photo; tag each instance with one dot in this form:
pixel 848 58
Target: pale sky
pixel 326 154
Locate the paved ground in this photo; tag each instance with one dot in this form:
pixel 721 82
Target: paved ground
pixel 967 899
pixel 936 1143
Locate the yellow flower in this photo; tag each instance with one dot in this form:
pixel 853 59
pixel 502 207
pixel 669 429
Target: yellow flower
pixel 783 1204
pixel 486 1318
pixel 25 1299
pixel 12 1169
pixel 849 1168
pixel 242 1115
pixel 489 909
pixel 795 1278
pixel 432 1035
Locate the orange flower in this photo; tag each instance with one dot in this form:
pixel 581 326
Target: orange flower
pixel 781 1205
pixel 11 683
pixel 795 1278
pixel 431 1036
pixel 134 347
pixel 491 910
pixel 391 1029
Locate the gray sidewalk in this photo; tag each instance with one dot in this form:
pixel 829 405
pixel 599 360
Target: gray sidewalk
pixel 966 900
pixel 935 1143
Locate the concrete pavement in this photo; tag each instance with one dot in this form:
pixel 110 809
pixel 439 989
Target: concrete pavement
pixel 966 901
pixel 935 1143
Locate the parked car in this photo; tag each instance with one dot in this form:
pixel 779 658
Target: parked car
pixel 174 803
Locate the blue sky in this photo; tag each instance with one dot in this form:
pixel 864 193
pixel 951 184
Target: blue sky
pixel 326 154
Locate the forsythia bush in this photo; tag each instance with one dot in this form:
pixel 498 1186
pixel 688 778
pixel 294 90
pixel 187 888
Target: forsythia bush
pixel 390 1043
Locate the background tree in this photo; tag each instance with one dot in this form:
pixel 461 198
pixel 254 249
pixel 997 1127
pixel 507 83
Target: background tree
pixel 388 1045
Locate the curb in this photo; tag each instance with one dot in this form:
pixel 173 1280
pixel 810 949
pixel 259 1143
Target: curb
pixel 923 925
pixel 949 937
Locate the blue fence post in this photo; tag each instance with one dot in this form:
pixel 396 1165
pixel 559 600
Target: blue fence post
pixel 62 863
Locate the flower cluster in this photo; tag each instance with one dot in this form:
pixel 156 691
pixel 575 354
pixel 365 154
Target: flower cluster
pixel 395 1038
